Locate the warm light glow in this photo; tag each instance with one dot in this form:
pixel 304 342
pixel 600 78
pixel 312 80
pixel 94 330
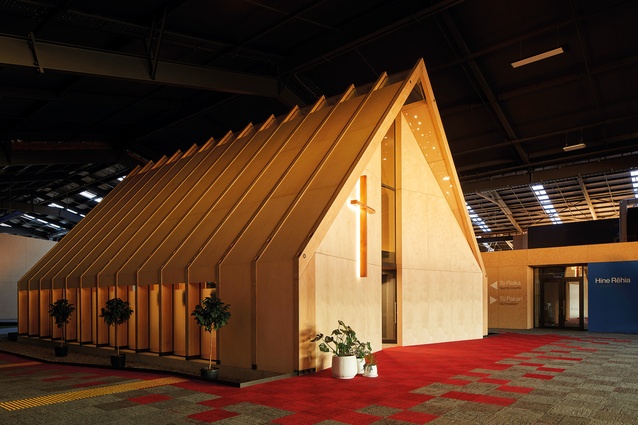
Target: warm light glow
pixel 538 57
pixel 574 147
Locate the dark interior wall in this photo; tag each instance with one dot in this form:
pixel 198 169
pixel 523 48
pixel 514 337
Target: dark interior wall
pixel 632 224
pixel 578 233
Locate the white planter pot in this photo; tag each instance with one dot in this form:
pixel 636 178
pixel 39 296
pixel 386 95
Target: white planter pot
pixel 370 372
pixel 344 367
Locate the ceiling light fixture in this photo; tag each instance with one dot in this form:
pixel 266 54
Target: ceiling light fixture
pixel 575 147
pixel 538 57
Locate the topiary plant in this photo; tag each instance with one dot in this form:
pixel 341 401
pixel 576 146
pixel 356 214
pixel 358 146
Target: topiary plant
pixel 115 313
pixel 61 311
pixel 211 314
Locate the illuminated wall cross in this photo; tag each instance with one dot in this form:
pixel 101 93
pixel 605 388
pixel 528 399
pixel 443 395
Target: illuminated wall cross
pixel 364 210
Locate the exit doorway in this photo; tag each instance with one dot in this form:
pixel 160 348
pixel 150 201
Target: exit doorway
pixel 561 301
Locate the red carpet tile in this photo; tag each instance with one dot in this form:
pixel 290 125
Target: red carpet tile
pixel 476 374
pixel 404 373
pixel 532 364
pixel 538 376
pixel 299 419
pixel 153 398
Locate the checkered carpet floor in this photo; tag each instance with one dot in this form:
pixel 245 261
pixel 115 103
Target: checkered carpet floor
pixel 526 377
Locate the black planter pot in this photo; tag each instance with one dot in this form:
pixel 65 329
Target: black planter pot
pixel 61 351
pixel 118 361
pixel 210 374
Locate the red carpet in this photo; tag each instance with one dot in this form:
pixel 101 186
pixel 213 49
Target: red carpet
pixel 402 370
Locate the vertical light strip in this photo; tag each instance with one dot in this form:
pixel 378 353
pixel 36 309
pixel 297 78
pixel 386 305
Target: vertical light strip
pixel 548 207
pixel 364 210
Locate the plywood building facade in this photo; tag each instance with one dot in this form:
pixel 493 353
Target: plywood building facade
pixel 349 210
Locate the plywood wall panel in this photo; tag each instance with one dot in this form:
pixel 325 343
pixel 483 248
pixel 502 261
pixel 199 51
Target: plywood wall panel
pixel 129 221
pixel 330 178
pixel 87 235
pixel 150 256
pixel 228 188
pixel 162 202
pixel 70 267
pixel 51 258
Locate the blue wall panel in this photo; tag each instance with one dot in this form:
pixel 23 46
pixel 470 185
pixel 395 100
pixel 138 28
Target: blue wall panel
pixel 613 297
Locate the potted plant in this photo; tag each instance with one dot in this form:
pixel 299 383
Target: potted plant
pixel 361 351
pixel 61 311
pixel 370 366
pixel 342 343
pixel 211 314
pixel 115 313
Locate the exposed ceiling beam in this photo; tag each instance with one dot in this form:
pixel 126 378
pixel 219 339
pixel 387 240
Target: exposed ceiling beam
pixel 359 33
pixel 560 132
pixel 32 177
pixel 23 231
pixel 558 173
pixel 39 209
pixel 583 188
pixel 58 153
pixel 495 198
pixel 134 30
pixel 484 85
pixel 21 51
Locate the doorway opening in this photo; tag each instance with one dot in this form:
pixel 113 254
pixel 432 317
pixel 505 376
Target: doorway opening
pixel 561 297
pixel 389 306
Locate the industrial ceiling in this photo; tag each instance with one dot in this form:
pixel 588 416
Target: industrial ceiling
pixel 89 90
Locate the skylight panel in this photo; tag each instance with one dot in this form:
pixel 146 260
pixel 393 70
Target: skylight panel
pixel 488 247
pixel 546 203
pixel 634 182
pixel 478 221
pixel 88 194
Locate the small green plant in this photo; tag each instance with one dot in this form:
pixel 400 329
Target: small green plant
pixel 362 349
pixel 370 360
pixel 61 311
pixel 211 314
pixel 341 342
pixel 115 313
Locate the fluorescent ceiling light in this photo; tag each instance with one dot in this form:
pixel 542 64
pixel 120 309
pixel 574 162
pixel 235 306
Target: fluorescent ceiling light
pixel 538 57
pixel 88 194
pixel 577 146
